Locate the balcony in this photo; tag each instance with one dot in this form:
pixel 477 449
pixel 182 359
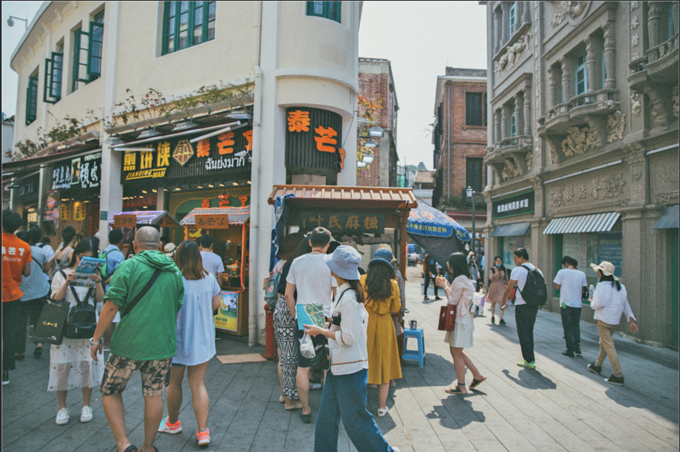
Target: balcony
pixel 662 61
pixel 516 146
pixel 479 199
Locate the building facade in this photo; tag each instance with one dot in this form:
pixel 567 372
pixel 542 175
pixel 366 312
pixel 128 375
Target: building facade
pixel 423 186
pixel 583 146
pixel 376 83
pixel 459 139
pixel 183 105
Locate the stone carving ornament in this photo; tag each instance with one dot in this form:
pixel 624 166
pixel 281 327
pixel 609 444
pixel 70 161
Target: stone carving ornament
pixel 571 9
pixel 556 197
pixel 530 159
pixel 582 191
pixel 616 123
pixel 569 194
pixel 613 185
pixel 596 187
pixel 511 169
pixel 579 141
pixel 636 104
pixel 511 56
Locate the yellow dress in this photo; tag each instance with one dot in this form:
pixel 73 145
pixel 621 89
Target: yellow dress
pixel 381 341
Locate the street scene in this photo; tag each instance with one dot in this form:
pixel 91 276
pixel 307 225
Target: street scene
pixel 318 226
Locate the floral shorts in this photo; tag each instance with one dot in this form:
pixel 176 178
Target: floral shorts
pixel 119 370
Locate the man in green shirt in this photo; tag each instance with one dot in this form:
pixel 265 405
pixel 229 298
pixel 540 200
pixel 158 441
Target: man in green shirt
pixel 144 339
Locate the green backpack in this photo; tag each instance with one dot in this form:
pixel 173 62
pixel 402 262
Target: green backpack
pixel 103 270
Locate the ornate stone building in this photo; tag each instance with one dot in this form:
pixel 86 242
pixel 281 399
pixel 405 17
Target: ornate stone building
pixel 583 145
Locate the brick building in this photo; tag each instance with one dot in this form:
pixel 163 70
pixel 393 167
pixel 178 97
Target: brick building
pixel 376 82
pixel 459 142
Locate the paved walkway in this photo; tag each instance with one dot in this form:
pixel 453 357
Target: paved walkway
pixel 560 406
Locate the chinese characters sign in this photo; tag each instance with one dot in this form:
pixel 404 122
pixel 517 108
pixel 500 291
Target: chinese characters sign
pixel 82 171
pixel 514 205
pixel 124 221
pixel 314 139
pixel 212 221
pixel 343 222
pixel 78 211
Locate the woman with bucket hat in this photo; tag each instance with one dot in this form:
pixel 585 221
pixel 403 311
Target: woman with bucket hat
pixel 609 301
pixel 344 392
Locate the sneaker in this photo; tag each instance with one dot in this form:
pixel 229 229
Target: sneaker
pixel 502 322
pixel 578 352
pixel 63 416
pixel 613 379
pixel 493 320
pixel 167 427
pixel 395 449
pixel 594 368
pixel 568 353
pixel 86 414
pixel 526 364
pixel 315 386
pixel 5 378
pixel 426 298
pixel 437 298
pixel 203 437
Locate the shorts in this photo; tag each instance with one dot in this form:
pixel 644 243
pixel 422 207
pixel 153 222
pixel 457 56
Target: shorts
pixel 119 370
pixel 318 340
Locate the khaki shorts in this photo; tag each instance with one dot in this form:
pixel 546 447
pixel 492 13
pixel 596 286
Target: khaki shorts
pixel 119 370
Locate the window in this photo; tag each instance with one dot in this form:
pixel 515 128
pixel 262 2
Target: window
pixel 513 125
pixel 87 52
pixel 581 74
pixel 94 56
pixel 32 98
pixel 329 10
pixel 53 73
pixel 473 109
pixel 186 24
pixel 512 18
pixel 474 173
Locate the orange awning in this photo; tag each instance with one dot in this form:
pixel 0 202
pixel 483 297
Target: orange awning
pixel 345 197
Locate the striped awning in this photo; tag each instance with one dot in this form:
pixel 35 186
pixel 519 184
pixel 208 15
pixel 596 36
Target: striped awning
pixel 669 219
pixel 601 222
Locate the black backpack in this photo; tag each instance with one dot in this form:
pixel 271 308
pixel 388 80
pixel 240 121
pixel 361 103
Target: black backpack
pixel 82 318
pixel 535 291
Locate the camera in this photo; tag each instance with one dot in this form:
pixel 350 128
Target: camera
pixel 336 319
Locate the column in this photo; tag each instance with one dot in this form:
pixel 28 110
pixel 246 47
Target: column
pixel 591 44
pixel 552 87
pixel 518 16
pixel 504 123
pixel 610 55
pixel 526 12
pixel 519 116
pixel 497 127
pixel 566 78
pixel 497 30
pixel 504 23
pixel 526 118
pixel 654 23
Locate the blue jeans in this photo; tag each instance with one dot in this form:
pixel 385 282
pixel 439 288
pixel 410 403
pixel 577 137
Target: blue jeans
pixel 344 397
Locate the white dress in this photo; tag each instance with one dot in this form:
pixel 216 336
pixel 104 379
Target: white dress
pixel 462 291
pixel 71 365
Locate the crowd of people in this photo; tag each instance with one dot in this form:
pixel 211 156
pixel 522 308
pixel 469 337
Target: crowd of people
pixel 155 311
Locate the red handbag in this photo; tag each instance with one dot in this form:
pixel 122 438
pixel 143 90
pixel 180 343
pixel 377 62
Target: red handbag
pixel 447 317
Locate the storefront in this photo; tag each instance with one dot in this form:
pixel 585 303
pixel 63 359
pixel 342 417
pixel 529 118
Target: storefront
pixel 511 232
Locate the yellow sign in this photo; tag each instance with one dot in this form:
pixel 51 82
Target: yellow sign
pixel 64 212
pixel 78 211
pixel 183 152
pixel 227 313
pixel 124 221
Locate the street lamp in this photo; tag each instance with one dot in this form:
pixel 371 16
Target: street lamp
pixel 471 194
pixel 10 21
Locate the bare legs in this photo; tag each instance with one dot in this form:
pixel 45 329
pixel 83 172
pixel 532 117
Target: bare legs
pixel 199 394
pixel 383 392
pixel 500 311
pixel 461 360
pixel 153 413
pixel 115 414
pixel 174 395
pixel 302 380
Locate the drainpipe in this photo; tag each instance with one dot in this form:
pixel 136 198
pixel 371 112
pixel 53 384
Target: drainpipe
pixel 448 142
pixel 255 180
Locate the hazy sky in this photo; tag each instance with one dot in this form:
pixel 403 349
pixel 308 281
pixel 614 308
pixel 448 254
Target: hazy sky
pixel 420 38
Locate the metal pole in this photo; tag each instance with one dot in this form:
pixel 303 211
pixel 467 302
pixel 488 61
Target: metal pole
pixel 474 195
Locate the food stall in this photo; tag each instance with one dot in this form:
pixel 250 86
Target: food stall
pixel 230 224
pixel 130 221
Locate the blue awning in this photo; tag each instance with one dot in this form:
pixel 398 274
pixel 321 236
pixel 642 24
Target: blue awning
pixel 428 221
pixel 511 230
pixel 669 219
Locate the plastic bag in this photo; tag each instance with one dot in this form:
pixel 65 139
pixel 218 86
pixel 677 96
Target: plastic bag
pixel 307 347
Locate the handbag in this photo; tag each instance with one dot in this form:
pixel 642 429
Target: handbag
pixel 50 325
pixel 447 317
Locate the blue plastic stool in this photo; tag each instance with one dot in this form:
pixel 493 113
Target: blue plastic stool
pixel 415 355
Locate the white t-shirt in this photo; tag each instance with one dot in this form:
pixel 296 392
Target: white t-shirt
pixel 313 281
pixel 519 274
pixel 571 282
pixel 212 263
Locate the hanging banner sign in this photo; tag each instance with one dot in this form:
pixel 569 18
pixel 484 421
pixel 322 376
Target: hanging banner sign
pixel 343 222
pixel 314 139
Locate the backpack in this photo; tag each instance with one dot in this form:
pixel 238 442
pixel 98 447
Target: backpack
pixel 103 269
pixel 82 318
pixel 535 291
pixel 271 294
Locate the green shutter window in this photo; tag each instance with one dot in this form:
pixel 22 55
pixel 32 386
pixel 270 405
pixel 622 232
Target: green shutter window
pixel 32 98
pixel 329 10
pixel 186 24
pixel 53 73
pixel 94 54
pixel 581 75
pixel 81 51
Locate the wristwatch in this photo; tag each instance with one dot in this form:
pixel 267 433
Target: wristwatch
pixel 101 341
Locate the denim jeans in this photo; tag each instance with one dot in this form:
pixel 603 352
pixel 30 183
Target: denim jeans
pixel 344 397
pixel 525 317
pixel 571 322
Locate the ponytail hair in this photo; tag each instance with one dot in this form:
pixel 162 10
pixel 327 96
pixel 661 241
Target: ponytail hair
pixel 614 282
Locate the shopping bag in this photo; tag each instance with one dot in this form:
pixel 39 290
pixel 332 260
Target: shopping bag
pixel 50 325
pixel 477 306
pixel 447 317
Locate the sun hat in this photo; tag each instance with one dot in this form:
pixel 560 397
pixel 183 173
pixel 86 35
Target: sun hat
pixel 344 262
pixel 607 268
pixel 170 249
pixel 382 255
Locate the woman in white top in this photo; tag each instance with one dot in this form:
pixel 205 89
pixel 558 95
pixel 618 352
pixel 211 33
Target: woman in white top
pixel 195 339
pixel 609 301
pixel 71 364
pixel 460 294
pixel 344 391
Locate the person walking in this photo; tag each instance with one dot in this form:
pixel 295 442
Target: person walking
pixel 460 294
pixel 570 282
pixel 398 319
pixel 430 271
pixel 381 292
pixel 36 288
pixel 149 290
pixel 473 269
pixel 61 258
pixel 344 393
pixel 195 341
pixel 314 284
pixel 285 328
pixel 498 277
pixel 71 363
pixel 211 261
pixel 525 315
pixel 609 301
pixel 16 262
pixel 114 257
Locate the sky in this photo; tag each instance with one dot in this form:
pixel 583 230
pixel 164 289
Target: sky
pixel 419 38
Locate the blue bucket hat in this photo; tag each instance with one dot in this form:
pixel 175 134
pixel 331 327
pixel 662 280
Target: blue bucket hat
pixel 382 255
pixel 344 262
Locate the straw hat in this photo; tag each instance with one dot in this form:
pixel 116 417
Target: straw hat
pixel 170 249
pixel 607 268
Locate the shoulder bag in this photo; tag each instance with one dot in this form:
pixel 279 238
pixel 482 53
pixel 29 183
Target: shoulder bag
pixel 50 326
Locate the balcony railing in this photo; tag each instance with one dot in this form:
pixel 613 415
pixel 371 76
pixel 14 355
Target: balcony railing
pixel 663 49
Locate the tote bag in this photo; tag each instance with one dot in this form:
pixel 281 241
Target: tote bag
pixel 447 317
pixel 50 326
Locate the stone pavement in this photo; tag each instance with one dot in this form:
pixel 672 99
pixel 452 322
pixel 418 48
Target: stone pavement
pixel 559 406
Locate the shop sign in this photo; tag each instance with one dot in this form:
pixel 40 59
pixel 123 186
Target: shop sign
pixel 32 216
pixel 212 155
pixel 313 139
pixel 124 221
pixel 84 171
pixel 78 211
pixel 29 187
pixel 514 205
pixel 91 170
pixel 212 221
pixel 140 201
pixel 343 222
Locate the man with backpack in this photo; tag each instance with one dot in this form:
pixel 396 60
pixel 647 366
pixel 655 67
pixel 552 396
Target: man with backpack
pixel 113 255
pixel 531 293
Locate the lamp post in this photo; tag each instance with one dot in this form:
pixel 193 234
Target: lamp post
pixel 471 194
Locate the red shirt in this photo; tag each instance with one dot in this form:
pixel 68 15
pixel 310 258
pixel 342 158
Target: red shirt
pixel 15 254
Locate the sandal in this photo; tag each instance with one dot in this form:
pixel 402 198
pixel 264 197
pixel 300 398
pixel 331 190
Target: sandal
pixel 476 382
pixel 382 411
pixel 457 390
pixel 131 448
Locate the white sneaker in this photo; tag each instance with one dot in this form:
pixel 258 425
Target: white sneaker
pixel 86 414
pixel 63 416
pixel 394 449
